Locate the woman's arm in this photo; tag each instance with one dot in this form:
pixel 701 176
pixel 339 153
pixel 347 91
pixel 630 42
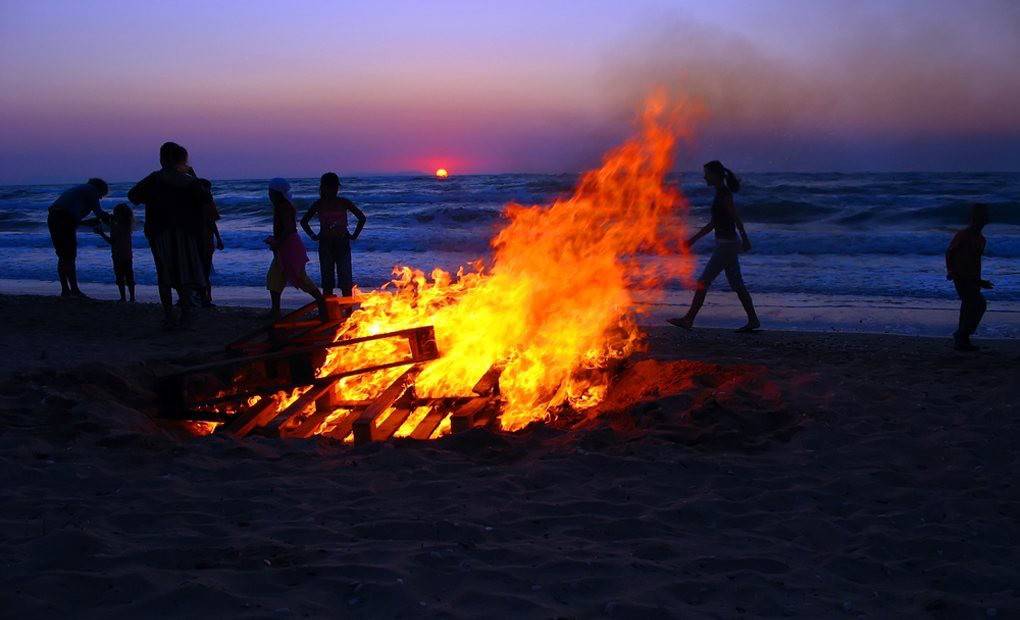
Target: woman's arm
pixel 95 207
pixel 307 217
pixel 361 220
pixel 140 192
pixel 746 246
pixel 99 230
pixel 707 228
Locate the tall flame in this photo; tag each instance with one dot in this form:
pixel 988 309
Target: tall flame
pixel 555 304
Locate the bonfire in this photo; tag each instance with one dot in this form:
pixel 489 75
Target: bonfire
pixel 530 335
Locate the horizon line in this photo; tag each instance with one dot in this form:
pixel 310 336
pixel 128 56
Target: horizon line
pixel 413 174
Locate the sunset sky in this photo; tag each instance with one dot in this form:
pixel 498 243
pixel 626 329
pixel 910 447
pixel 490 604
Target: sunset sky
pixel 256 89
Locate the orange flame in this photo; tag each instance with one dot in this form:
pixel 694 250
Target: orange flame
pixel 555 304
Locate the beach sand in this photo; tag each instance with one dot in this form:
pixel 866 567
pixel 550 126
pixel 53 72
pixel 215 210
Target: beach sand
pixel 776 474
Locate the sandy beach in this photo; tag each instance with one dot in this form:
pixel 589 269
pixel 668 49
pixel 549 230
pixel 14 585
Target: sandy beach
pixel 778 474
pixel 473 276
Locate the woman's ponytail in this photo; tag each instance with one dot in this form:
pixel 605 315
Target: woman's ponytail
pixel 732 182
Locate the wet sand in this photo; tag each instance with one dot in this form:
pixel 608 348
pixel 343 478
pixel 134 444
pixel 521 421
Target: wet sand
pixel 777 474
pixel 780 311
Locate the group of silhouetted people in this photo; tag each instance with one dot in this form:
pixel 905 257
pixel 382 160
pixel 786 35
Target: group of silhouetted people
pixel 180 225
pixel 181 229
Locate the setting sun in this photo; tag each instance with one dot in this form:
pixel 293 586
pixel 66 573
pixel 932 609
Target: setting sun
pixel 441 173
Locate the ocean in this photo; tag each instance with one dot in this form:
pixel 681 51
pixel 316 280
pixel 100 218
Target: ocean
pixel 871 238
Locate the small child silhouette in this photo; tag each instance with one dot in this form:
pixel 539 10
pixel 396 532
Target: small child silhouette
pixel 120 248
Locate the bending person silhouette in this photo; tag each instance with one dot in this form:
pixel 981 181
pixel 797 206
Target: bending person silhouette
pixel 725 257
pixel 963 267
pixel 65 215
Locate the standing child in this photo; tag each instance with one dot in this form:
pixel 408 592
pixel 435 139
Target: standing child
pixel 211 241
pixel 963 267
pixel 289 256
pixel 121 224
pixel 334 238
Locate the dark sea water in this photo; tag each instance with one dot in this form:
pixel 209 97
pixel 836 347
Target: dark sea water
pixel 863 235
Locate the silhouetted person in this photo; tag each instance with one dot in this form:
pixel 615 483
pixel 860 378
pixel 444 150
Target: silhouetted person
pixel 963 267
pixel 289 256
pixel 174 202
pixel 725 256
pixel 66 213
pixel 211 240
pixel 334 238
pixel 121 251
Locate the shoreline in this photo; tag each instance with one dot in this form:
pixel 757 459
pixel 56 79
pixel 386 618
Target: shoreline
pixel 47 331
pixel 935 318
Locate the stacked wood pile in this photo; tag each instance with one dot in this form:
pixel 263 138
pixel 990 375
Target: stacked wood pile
pixel 240 391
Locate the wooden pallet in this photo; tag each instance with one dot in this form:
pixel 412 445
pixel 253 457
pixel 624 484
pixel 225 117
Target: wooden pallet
pixel 380 418
pixel 238 378
pixel 300 327
pixel 243 392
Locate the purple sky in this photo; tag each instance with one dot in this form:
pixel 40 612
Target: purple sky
pixel 256 89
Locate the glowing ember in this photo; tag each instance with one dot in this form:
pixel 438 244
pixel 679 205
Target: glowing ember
pixel 555 305
pixel 442 173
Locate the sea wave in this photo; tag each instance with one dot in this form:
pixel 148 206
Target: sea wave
pixel 955 213
pixel 430 238
pixel 14 193
pixel 785 212
pixel 457 214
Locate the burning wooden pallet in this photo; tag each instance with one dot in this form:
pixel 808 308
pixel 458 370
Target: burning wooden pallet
pixel 246 389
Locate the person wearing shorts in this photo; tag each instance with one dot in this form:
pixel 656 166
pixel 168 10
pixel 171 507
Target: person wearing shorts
pixel 726 255
pixel 333 237
pixel 66 213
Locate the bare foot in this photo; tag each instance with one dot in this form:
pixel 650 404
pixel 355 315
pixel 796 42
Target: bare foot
pixel 961 344
pixel 682 323
pixel 750 327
